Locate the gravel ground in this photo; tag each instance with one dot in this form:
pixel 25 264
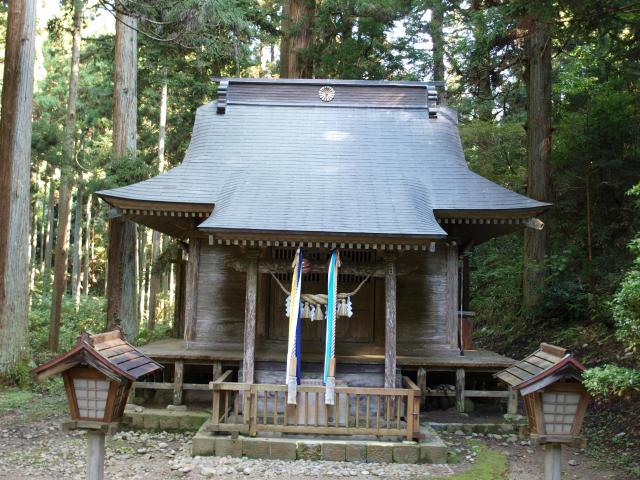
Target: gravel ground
pixel 43 451
pixel 32 446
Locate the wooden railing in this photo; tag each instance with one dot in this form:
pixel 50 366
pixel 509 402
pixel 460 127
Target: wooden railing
pixel 253 408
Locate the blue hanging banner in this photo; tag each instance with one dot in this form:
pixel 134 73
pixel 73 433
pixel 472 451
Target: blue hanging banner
pixel 330 341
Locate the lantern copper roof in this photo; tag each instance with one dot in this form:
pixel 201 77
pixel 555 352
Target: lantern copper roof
pixel 544 366
pixel 107 352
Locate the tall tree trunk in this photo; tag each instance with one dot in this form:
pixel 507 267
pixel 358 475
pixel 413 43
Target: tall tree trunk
pixel 86 278
pixel 66 184
pixel 76 275
pixel 43 226
pixel 122 288
pixel 33 248
pixel 538 80
pixel 170 296
pixel 437 46
pixel 142 269
pixel 156 279
pixel 482 62
pixel 60 262
pixel 15 159
pixel 298 17
pixel 48 251
pixel 156 275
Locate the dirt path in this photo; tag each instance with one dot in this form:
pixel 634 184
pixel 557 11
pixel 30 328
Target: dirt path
pixel 527 462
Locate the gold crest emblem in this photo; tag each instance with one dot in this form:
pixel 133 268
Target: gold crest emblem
pixel 326 93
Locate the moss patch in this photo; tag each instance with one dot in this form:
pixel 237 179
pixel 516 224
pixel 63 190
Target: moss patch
pixel 489 465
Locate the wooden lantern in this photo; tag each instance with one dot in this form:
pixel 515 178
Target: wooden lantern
pixel 98 373
pixel 556 402
pixel 550 381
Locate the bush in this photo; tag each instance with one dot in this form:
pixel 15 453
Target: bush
pixel 626 304
pixel 91 316
pixel 609 380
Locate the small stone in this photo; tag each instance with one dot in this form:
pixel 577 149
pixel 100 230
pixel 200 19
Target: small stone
pixel 163 445
pixel 247 471
pixel 141 450
pixel 458 432
pixel 138 409
pixel 364 472
pixel 176 408
pixel 572 462
pixel 208 471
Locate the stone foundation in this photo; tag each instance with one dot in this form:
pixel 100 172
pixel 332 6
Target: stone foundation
pixel 163 419
pixel 431 450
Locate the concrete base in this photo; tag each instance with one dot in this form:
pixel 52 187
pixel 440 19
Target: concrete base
pixel 163 419
pixel 520 429
pixel 431 450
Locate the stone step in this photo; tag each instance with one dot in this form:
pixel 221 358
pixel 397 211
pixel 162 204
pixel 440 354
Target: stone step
pixel 430 450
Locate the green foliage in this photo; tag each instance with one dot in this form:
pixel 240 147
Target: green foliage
pixel 91 316
pixel 162 330
pixel 609 380
pixel 626 302
pixel 626 309
pixel 352 41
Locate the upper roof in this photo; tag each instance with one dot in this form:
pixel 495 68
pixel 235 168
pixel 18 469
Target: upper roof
pixel 107 352
pixel 378 158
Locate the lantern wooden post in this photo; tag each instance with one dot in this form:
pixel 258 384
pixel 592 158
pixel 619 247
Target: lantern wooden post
pixel 552 461
pixel 95 454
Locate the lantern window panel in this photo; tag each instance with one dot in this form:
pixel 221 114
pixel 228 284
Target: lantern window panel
pixel 559 410
pixel 91 396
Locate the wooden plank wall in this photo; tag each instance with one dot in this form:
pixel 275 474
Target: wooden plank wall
pixel 423 297
pixel 221 298
pixel 426 300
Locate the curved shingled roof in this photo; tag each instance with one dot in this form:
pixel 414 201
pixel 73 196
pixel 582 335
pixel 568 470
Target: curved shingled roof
pixel 293 163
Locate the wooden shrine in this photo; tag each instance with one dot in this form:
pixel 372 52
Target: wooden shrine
pixel 373 169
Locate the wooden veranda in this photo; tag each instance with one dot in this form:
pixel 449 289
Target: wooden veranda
pixel 220 357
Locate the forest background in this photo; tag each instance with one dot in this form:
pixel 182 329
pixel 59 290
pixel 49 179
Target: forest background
pixel 581 290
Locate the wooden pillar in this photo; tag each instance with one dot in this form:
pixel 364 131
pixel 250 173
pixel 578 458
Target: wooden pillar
pixel 95 454
pixel 465 279
pixel 452 294
pixel 178 380
pixel 460 381
pixel 250 305
pixel 216 369
pixel 512 401
pixel 421 381
pixel 390 322
pixel 178 309
pixel 552 461
pixel 191 289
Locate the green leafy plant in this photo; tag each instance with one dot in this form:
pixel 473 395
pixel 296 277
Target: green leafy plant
pixel 611 380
